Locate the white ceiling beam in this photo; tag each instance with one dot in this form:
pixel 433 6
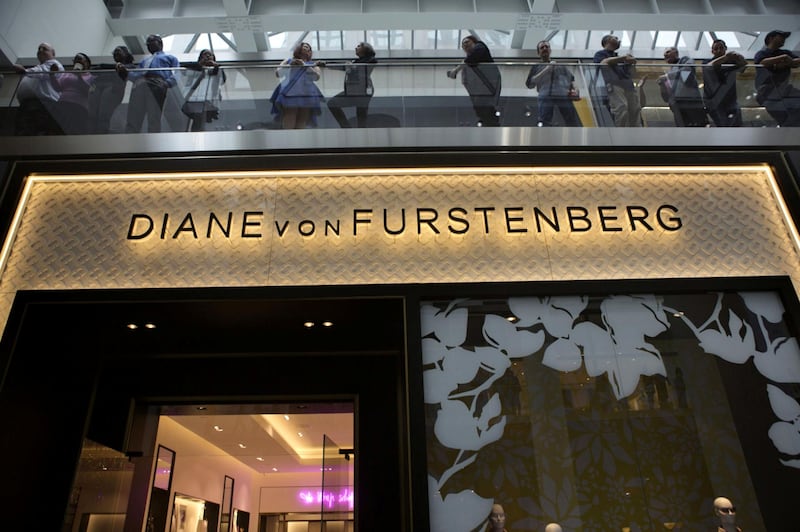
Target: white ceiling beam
pixel 422 21
pixel 527 38
pixel 245 40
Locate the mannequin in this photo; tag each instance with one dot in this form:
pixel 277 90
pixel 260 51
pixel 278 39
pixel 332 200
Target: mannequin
pixel 553 527
pixel 725 513
pixel 497 519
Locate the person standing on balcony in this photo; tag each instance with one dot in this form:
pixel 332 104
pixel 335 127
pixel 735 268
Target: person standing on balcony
pixel 555 86
pixel 149 86
pixel 37 95
pixel 719 85
pixel 774 89
pixel 481 77
pixel 203 81
pixel 72 109
pixel 680 90
pixel 296 100
pixel 617 70
pixel 109 90
pixel 358 87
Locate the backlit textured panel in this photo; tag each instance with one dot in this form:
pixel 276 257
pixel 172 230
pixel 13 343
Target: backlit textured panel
pixel 408 226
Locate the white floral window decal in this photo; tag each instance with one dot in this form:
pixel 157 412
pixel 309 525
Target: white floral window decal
pixel 628 378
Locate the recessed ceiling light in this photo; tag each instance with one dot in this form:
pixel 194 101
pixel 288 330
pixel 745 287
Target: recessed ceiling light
pixel 274 468
pixel 149 325
pixel 512 319
pixel 308 324
pixel 218 428
pixel 132 326
pixel 300 434
pixel 202 408
pixel 286 417
pixel 259 459
pixel 327 324
pixel 242 446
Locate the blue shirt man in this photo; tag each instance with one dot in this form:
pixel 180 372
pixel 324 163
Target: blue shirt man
pixel 150 86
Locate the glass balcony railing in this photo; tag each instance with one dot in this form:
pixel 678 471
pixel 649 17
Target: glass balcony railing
pixel 401 94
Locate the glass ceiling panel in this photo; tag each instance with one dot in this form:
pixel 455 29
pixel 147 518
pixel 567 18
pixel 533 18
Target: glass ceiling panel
pixel 329 40
pixel 401 40
pixel 379 39
pixel 448 40
pixel 425 39
pixel 495 39
pixel 352 38
pixel 644 40
pixel 576 39
pixel 284 40
pixel 576 42
pixel 665 39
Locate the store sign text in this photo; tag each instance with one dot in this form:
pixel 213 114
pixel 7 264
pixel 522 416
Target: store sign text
pixel 486 220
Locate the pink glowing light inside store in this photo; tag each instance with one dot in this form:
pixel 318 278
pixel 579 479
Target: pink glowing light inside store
pixel 331 500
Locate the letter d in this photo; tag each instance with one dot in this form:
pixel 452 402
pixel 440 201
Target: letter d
pixel 134 219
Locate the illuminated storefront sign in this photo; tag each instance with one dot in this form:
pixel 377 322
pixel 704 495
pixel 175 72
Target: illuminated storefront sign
pixel 378 226
pixel 486 220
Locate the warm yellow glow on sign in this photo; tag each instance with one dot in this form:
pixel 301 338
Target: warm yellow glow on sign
pixel 422 225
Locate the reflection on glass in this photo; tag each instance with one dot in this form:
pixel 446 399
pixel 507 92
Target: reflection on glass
pixel 227 503
pixel 99 496
pixel 163 474
pixel 611 413
pixel 412 95
pixel 191 514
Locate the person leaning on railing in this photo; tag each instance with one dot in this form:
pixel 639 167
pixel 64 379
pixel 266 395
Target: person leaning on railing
pixel 719 85
pixel 617 71
pixel 150 86
pixel 774 89
pixel 72 108
pixel 555 86
pixel 679 88
pixel 37 95
pixel 358 86
pixel 109 89
pixel 481 78
pixel 203 81
pixel 296 100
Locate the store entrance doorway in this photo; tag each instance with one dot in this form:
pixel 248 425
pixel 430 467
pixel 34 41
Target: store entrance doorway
pixel 127 363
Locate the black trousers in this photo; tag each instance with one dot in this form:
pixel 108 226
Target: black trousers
pixel 361 103
pixel 486 110
pixel 147 100
pixel 35 117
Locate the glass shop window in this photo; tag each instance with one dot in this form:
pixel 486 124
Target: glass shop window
pixel 99 497
pixel 624 412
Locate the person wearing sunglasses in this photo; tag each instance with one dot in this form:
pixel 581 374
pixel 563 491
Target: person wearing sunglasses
pixel 725 512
